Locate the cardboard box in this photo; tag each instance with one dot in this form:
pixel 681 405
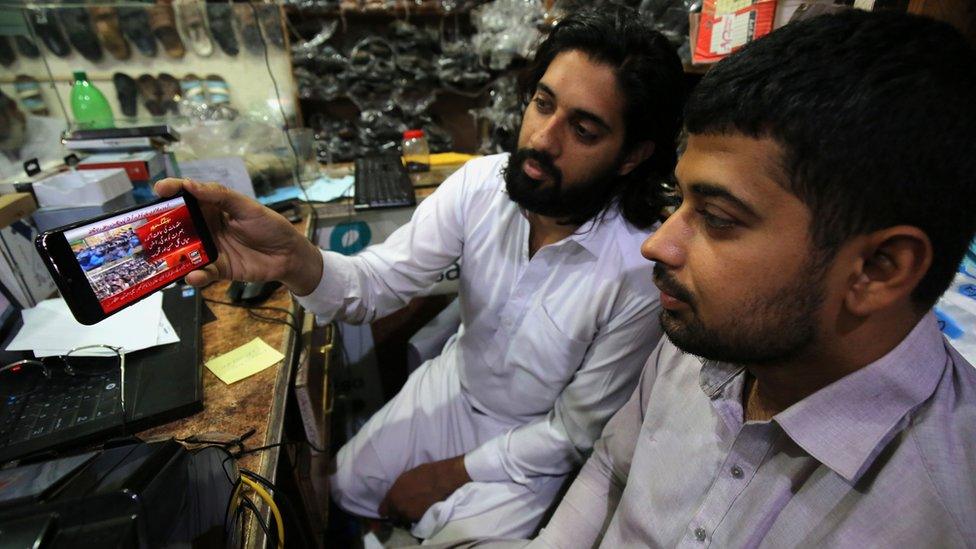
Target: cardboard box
pixel 139 166
pixel 22 271
pixel 82 188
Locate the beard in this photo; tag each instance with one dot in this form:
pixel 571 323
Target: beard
pixel 770 329
pixel 575 204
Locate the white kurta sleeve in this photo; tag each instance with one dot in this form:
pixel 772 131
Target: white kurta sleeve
pixel 585 511
pixel 556 443
pixel 383 277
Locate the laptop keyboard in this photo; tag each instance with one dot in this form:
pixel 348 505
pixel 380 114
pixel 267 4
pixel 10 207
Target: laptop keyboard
pixel 60 403
pixel 382 182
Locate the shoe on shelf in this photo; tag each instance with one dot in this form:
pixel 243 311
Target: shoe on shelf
pixel 81 34
pixel 217 90
pixel 47 25
pixel 126 91
pixel 7 55
pixel 135 24
pixel 152 94
pixel 192 89
pixel 248 23
pixel 107 27
pixel 169 88
pixel 162 21
pixel 222 26
pixel 270 17
pixel 191 19
pixel 29 93
pixel 27 47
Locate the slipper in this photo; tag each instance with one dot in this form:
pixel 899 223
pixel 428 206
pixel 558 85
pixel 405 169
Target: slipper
pixel 27 47
pixel 222 27
pixel 162 21
pixel 29 93
pixel 7 55
pixel 169 87
pixel 81 34
pixel 217 90
pixel 134 22
pixel 270 17
pixel 250 33
pixel 107 27
pixel 192 89
pixel 152 95
pixel 125 89
pixel 192 24
pixel 47 25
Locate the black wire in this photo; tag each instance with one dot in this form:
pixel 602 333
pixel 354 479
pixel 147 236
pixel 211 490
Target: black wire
pixel 293 324
pixel 257 516
pixel 276 493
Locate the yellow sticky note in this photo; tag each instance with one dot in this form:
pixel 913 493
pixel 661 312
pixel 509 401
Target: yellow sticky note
pixel 246 360
pixel 450 158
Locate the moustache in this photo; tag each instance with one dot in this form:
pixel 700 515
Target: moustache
pixel 667 284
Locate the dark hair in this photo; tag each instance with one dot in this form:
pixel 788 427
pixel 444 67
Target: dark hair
pixel 651 78
pixel 877 120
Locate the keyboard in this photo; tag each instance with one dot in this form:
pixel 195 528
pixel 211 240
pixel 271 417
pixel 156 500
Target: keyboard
pixel 61 403
pixel 382 182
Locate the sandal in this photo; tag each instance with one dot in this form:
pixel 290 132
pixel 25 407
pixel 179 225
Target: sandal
pixel 125 89
pixel 170 89
pixel 152 95
pixel 192 89
pixel 162 21
pixel 107 27
pixel 78 26
pixel 47 25
pixel 217 90
pixel 222 27
pixel 29 94
pixel 27 47
pixel 134 22
pixel 270 17
pixel 192 25
pixel 250 33
pixel 7 55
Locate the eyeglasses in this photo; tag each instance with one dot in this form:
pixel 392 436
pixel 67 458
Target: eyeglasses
pixel 21 378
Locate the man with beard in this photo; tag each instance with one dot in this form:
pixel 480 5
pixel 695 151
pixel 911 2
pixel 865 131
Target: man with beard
pixel 804 395
pixel 557 307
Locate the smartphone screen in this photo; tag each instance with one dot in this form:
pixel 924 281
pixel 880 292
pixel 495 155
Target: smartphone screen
pixel 127 256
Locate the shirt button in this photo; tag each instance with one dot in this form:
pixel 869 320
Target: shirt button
pixel 700 534
pixel 736 471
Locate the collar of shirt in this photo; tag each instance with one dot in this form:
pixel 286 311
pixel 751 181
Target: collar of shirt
pixel 847 424
pixel 593 236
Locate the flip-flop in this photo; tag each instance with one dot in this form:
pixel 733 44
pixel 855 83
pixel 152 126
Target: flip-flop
pixel 47 25
pixel 217 90
pixel 125 89
pixel 7 55
pixel 222 27
pixel 270 17
pixel 152 95
pixel 192 88
pixel 27 47
pixel 250 33
pixel 191 19
pixel 29 94
pixel 106 21
pixel 162 21
pixel 170 89
pixel 135 22
pixel 81 34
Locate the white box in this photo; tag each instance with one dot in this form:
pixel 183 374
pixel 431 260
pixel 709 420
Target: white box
pixel 82 188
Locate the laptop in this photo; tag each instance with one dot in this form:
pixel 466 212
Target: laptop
pixel 162 384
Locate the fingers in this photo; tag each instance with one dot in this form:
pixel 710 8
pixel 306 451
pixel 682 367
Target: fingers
pixel 201 277
pixel 230 201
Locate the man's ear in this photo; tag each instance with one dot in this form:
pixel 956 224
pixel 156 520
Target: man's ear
pixel 891 263
pixel 638 153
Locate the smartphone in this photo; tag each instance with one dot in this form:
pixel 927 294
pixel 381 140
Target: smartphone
pixel 103 265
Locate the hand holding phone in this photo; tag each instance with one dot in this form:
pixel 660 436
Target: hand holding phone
pixel 105 264
pixel 255 243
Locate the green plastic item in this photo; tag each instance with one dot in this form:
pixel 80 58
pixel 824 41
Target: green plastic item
pixel 88 104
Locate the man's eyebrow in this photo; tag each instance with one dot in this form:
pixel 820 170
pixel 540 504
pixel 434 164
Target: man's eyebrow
pixel 578 113
pixel 711 190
